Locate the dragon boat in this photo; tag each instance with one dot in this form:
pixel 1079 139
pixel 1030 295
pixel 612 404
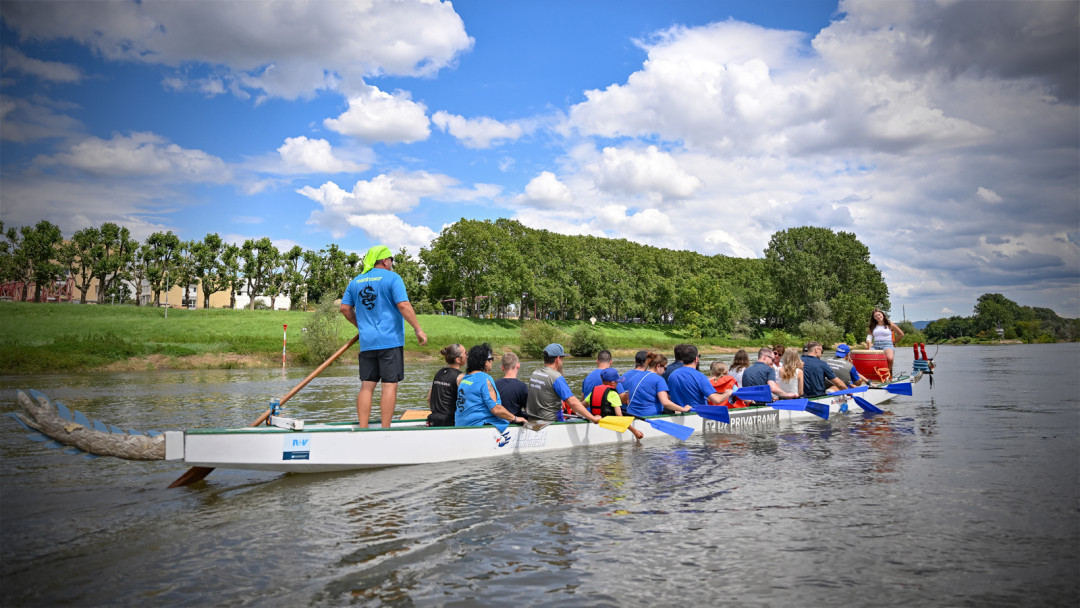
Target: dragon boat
pixel 295 446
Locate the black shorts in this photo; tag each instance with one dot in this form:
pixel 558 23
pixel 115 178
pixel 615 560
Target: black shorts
pixel 386 365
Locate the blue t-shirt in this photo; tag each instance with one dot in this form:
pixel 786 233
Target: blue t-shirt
pixel 815 372
pixel 593 380
pixel 643 388
pixel 671 369
pixel 757 374
pixel 375 296
pixel 474 402
pixel 688 386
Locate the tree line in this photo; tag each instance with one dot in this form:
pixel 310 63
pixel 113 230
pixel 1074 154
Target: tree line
pixel 810 280
pixel 994 312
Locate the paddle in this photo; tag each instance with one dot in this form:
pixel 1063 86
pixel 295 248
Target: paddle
pixel 821 410
pixel 761 392
pixel 678 431
pixel 616 423
pixel 900 388
pixel 713 412
pixel 867 406
pixel 195 474
pixel 849 391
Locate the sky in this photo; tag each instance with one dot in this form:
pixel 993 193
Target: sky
pixel 945 135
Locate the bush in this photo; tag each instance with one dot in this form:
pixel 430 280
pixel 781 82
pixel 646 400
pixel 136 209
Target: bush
pixel 535 335
pixel 826 332
pixel 323 331
pixel 586 341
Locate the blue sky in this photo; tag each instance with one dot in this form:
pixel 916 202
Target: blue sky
pixel 945 135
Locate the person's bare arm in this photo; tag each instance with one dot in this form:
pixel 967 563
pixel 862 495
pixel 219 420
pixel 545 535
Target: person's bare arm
pixel 409 315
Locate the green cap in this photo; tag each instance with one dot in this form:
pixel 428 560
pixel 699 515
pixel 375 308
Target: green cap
pixel 373 255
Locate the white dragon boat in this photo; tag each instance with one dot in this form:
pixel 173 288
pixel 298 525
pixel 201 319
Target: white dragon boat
pixel 294 446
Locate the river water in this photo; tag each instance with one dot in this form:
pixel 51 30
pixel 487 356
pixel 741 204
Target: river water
pixel 964 495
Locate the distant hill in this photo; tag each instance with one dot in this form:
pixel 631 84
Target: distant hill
pixel 921 324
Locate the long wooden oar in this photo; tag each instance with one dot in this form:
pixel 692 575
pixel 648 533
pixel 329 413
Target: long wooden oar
pixel 198 473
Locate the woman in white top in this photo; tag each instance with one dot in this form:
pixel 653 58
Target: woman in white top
pixel 881 333
pixel 739 365
pixel 790 377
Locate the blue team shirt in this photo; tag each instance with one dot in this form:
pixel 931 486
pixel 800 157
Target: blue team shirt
pixel 757 374
pixel 375 296
pixel 474 402
pixel 593 380
pixel 815 371
pixel 643 388
pixel 688 386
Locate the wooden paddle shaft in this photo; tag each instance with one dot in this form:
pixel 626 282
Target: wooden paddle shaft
pixel 310 377
pixel 195 474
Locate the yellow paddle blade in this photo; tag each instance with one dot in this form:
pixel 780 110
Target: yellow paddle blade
pixel 616 423
pixel 414 415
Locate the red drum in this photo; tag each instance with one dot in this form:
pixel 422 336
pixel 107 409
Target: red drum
pixel 871 364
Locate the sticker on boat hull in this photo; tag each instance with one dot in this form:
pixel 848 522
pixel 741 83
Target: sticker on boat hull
pixel 296 447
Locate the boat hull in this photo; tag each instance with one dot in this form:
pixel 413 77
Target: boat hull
pixel 343 447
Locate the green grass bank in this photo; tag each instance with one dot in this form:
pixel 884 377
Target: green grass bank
pixel 42 338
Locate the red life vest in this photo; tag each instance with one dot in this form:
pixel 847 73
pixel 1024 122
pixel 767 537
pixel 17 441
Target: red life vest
pixel 727 383
pixel 598 401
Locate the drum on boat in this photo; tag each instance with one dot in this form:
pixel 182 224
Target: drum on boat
pixel 871 364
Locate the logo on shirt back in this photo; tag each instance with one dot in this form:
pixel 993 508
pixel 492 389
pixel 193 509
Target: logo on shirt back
pixel 367 297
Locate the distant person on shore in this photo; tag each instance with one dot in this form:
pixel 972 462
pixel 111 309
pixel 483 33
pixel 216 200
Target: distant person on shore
pixel 762 373
pixel 739 365
pixel 880 335
pixel 514 392
pixel 442 396
pixel 688 386
pixel 376 303
pixel 790 376
pixel 548 390
pixel 723 382
pixel 478 402
pixel 843 368
pixel 818 377
pixel 591 381
pixel 647 391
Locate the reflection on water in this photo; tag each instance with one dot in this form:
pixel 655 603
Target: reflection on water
pixel 966 496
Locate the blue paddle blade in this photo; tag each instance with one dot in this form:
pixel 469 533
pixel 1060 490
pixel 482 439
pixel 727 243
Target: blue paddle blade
pixel 678 431
pixel 798 405
pixel 713 412
pixel 867 406
pixel 500 424
pixel 754 393
pixel 16 418
pixel 821 410
pixel 850 391
pixel 900 388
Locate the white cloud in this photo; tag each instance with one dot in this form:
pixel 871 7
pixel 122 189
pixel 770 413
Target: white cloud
pixel 376 116
pixel 988 195
pixel 140 155
pixel 382 196
pixel 303 155
pixel 24 120
pixel 385 228
pixel 651 171
pixel 52 71
pixel 478 132
pixel 546 192
pixel 283 49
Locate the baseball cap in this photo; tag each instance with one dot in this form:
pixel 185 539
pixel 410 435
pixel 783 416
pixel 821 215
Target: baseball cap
pixel 842 350
pixel 609 375
pixel 554 350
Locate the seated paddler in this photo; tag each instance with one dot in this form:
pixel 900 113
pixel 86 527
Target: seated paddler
pixel 478 401
pixel 548 390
